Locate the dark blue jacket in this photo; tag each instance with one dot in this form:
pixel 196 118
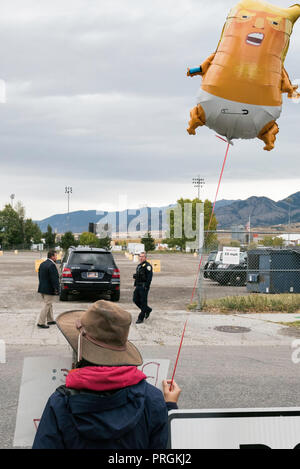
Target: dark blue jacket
pixel 135 417
pixel 48 278
pixel 143 275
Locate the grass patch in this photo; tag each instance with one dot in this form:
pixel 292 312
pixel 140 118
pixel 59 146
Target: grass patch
pixel 285 303
pixel 291 324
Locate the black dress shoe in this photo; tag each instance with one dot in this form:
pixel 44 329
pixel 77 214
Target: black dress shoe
pixel 43 326
pixel 148 314
pixel 50 323
pixel 139 321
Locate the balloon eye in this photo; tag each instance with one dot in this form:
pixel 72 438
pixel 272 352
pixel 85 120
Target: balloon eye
pixel 275 22
pixel 245 17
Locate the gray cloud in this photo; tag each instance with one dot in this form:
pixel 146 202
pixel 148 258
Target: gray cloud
pixel 96 91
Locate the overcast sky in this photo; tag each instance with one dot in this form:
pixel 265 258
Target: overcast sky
pixel 98 99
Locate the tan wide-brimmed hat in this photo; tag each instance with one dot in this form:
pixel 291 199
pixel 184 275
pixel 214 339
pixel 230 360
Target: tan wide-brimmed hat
pixel 99 334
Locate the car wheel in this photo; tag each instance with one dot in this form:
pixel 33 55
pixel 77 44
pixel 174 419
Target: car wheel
pixel 63 296
pixel 238 279
pixel 115 296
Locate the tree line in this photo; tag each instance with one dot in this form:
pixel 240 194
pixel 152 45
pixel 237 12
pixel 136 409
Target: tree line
pixel 17 231
pixel 85 239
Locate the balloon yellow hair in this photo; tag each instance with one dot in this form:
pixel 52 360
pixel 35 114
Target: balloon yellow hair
pixel 292 13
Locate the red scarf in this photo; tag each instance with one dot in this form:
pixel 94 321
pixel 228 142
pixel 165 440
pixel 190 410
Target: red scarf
pixel 104 378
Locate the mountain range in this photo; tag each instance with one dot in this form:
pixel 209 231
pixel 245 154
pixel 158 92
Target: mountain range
pixel 261 210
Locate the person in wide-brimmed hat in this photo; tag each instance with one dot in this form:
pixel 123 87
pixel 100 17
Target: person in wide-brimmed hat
pixel 106 402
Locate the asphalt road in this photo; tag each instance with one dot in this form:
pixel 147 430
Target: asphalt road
pixel 210 377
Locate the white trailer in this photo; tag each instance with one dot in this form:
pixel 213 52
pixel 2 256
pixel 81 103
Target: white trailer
pixel 135 248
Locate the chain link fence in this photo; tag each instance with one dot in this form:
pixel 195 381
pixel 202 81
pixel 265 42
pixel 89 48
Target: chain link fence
pixel 240 263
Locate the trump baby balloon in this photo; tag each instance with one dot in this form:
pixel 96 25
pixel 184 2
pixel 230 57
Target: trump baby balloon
pixel 243 81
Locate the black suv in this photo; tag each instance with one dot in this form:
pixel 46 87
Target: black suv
pixel 89 270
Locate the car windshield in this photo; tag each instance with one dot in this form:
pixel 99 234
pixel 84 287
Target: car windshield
pixel 92 258
pixel 212 256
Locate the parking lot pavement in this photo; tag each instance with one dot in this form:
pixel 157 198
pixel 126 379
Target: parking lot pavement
pixel 171 289
pixel 20 305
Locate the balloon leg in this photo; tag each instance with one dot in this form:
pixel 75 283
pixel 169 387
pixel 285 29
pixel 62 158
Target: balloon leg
pixel 268 135
pixel 197 119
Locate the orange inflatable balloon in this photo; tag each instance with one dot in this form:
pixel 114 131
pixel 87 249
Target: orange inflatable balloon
pixel 243 81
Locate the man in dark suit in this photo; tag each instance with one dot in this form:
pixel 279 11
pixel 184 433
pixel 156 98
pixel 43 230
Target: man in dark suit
pixel 48 287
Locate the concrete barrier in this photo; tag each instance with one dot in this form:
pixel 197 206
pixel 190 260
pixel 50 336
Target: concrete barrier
pixel 1 253
pixel 38 263
pixel 156 266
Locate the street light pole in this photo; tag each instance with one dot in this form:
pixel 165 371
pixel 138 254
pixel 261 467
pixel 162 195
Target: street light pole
pixel 198 182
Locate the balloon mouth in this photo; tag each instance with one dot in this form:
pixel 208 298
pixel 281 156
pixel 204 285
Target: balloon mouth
pixel 255 39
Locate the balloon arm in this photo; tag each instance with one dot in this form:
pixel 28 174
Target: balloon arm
pixel 194 71
pixel 202 69
pixel 287 86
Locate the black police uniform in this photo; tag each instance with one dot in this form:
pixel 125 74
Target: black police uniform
pixel 143 278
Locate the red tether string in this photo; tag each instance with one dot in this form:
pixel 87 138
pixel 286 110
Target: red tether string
pixel 200 263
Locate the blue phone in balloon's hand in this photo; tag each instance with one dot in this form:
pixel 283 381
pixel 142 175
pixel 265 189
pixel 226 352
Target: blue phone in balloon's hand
pixel 195 70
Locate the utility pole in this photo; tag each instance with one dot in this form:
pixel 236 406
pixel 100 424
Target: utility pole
pixel 248 227
pixel 289 235
pixel 198 182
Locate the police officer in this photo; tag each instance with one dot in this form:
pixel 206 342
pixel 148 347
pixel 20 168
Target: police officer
pixel 143 278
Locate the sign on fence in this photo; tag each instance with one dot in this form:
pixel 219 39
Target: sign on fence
pixel 231 255
pixel 235 429
pixel 42 375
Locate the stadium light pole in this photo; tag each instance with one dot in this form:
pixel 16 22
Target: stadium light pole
pixel 12 196
pixel 68 191
pixel 198 182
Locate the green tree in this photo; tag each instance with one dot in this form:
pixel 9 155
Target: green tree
pixel 11 228
pixel 32 233
pixel 68 240
pixel 251 246
pixel 88 239
pixel 148 242
pixel 235 243
pixel 49 237
pixel 20 209
pixel 270 241
pixel 183 224
pixel 104 243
